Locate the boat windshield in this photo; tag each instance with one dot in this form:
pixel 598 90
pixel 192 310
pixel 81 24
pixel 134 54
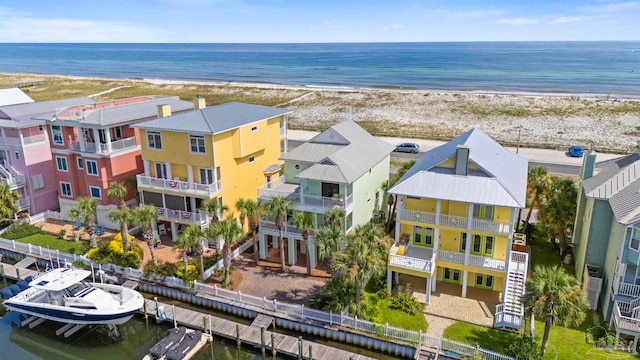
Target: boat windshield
pixel 77 288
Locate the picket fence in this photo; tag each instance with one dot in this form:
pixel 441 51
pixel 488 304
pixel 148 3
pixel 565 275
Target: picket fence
pixel 235 253
pixel 292 311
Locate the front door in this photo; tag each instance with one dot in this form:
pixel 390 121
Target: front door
pixel 269 185
pixel 330 189
pixel 451 275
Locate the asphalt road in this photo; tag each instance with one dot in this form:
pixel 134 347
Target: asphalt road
pixel 553 168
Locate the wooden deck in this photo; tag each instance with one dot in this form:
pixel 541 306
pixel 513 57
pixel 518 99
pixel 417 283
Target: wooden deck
pixel 251 335
pixel 14 272
pixel 262 321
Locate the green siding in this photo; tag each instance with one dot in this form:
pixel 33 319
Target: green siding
pixel 599 233
pixel 364 191
pixel 613 251
pixel 579 250
pixel 290 171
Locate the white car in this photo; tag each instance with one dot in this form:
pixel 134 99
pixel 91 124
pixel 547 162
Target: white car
pixel 408 148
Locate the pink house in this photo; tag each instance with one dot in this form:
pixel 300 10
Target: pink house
pixel 26 163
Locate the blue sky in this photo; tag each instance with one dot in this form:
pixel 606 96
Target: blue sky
pixel 316 20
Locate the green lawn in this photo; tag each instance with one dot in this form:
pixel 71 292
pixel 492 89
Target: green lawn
pixel 492 339
pixel 543 253
pixel 53 243
pixel 401 319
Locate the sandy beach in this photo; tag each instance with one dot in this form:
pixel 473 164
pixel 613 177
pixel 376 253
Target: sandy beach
pixel 611 124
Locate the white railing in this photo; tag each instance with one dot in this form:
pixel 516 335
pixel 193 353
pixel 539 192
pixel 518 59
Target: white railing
pixel 491 226
pixel 9 141
pixel 627 289
pixel 487 262
pixel 271 228
pixel 624 322
pixel 34 139
pixel 179 185
pixel 508 319
pixel 23 203
pixel 101 148
pixel 419 216
pixel 182 216
pixel 234 254
pixel 519 262
pixel 13 180
pixel 411 263
pixel 454 221
pixel 293 311
pixel 451 256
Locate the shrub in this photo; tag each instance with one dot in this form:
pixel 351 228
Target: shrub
pixel 404 301
pixel 20 230
pixel 62 233
pixel 370 309
pixel 336 296
pixel 162 269
pixel 524 348
pixel 209 261
pixel 112 253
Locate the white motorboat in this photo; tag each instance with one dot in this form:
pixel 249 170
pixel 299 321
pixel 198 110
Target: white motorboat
pixel 62 295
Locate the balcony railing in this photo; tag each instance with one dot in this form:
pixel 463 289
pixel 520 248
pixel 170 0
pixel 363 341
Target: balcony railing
pixel 626 289
pixel 181 216
pixel 100 148
pixel 451 256
pixel 184 187
pixel 291 192
pixel 507 319
pixel 455 221
pixel 624 318
pixel 9 141
pixel 23 203
pixel 272 228
pixel 26 140
pixel 406 261
pixel 474 260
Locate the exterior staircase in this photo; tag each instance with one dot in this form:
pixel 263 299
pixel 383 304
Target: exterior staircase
pixel 510 314
pixel 10 176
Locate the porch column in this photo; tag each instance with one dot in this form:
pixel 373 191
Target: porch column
pixel 434 280
pixel 83 145
pixel 396 278
pixel 276 242
pixel 292 251
pixel 21 136
pixel 467 249
pixel 154 227
pixel 313 257
pixel 389 280
pixel 507 259
pixel 470 217
pixel 438 212
pixel 635 344
pixel 145 163
pixel 428 293
pixel 512 221
pixel 504 289
pixel 107 138
pixel 464 283
pixel 96 140
pixel 303 182
pixel 192 201
pixel 262 245
pixel 190 174
pixel 397 236
pixel 174 231
pixel 436 237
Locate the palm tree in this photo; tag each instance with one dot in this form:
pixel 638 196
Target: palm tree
pixel 557 209
pixel 278 208
pixel 122 217
pixel 8 198
pixel 241 207
pixel 86 211
pixel 187 242
pixel 213 208
pixel 364 257
pixel 334 218
pixel 252 212
pixel 304 221
pixel 327 240
pixel 554 297
pixel 230 231
pixel 146 216
pixel 538 181
pixel 118 191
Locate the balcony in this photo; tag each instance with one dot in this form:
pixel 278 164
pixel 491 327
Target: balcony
pixel 626 289
pixel 455 221
pixel 181 216
pixel 23 203
pixel 304 202
pixel 182 187
pixel 100 148
pixel 626 317
pixel 270 227
pixel 474 260
pixel 415 258
pixel 26 140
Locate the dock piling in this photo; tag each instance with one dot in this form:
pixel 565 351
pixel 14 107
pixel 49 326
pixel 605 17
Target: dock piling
pixel 18 273
pixel 299 347
pixel 204 324
pixel 144 308
pixel 310 352
pixel 273 345
pixel 175 321
pixel 238 342
pixel 262 342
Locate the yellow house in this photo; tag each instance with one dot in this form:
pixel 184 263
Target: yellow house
pixel 455 212
pixel 222 152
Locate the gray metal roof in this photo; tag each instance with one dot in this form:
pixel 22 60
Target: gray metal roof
pixel 12 96
pixel 618 181
pixel 214 119
pixel 344 152
pixel 494 161
pixel 22 115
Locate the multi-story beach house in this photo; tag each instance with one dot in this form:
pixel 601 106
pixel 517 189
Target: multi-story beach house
pixel 606 240
pixel 94 145
pixel 344 167
pixel 25 159
pixel 220 153
pixel 455 212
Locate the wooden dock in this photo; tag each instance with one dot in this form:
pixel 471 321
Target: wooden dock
pixel 15 272
pixel 262 321
pixel 251 335
pixel 130 284
pixel 25 263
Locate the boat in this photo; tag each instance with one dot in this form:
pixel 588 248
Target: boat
pixel 169 341
pixel 63 295
pixel 192 342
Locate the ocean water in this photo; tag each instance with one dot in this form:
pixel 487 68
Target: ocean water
pixel 560 67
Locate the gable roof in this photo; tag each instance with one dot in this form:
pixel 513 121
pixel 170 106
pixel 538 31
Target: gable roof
pixel 23 115
pixel 618 181
pixel 501 179
pixel 341 153
pixel 12 96
pixel 214 119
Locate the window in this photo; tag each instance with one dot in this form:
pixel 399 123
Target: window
pixel 116 133
pixel 206 176
pixel 61 163
pixel 252 159
pixel 483 212
pixel 635 239
pixel 92 167
pixel 428 236
pixel 65 189
pixel 80 163
pixel 154 140
pixel 37 182
pixel 463 242
pixel 254 128
pixel 451 275
pixel 484 281
pixel 17 155
pixel 480 245
pixel 477 244
pixel 95 192
pixel 161 171
pixel 417 234
pixel 197 144
pixel 40 128
pixel 488 245
pixel 56 133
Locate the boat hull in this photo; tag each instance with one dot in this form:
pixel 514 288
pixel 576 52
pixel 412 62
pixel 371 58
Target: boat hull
pixel 66 315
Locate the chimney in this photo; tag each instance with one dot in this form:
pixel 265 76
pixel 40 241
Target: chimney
pixel 164 110
pixel 462 160
pixel 199 103
pixel 588 164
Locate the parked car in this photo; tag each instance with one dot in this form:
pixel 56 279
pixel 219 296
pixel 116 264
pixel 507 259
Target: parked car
pixel 576 151
pixel 408 148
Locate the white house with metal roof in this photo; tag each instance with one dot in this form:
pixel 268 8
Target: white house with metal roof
pixel 342 167
pixel 455 212
pixel 606 240
pixel 13 96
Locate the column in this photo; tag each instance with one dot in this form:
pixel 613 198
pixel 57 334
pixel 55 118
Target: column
pixel 190 174
pixel 83 145
pixel 174 231
pixel 436 238
pixel 21 136
pixel 398 226
pixel 145 163
pixel 438 211
pixel 107 138
pixel 192 201
pixel 303 182
pixel 467 249
pixel 96 140
pixel 507 260
pixel 504 289
pixel 427 292
pixel 313 253
pixel 389 280
pixel 292 251
pixel 262 245
pixel 434 280
pixel 154 227
pixel 396 279
pixel 464 283
pixel 470 217
pixel 512 220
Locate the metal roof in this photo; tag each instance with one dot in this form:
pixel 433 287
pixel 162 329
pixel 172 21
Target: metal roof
pixel 214 119
pixel 22 115
pixel 12 96
pixel 494 161
pixel 345 151
pixel 618 181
